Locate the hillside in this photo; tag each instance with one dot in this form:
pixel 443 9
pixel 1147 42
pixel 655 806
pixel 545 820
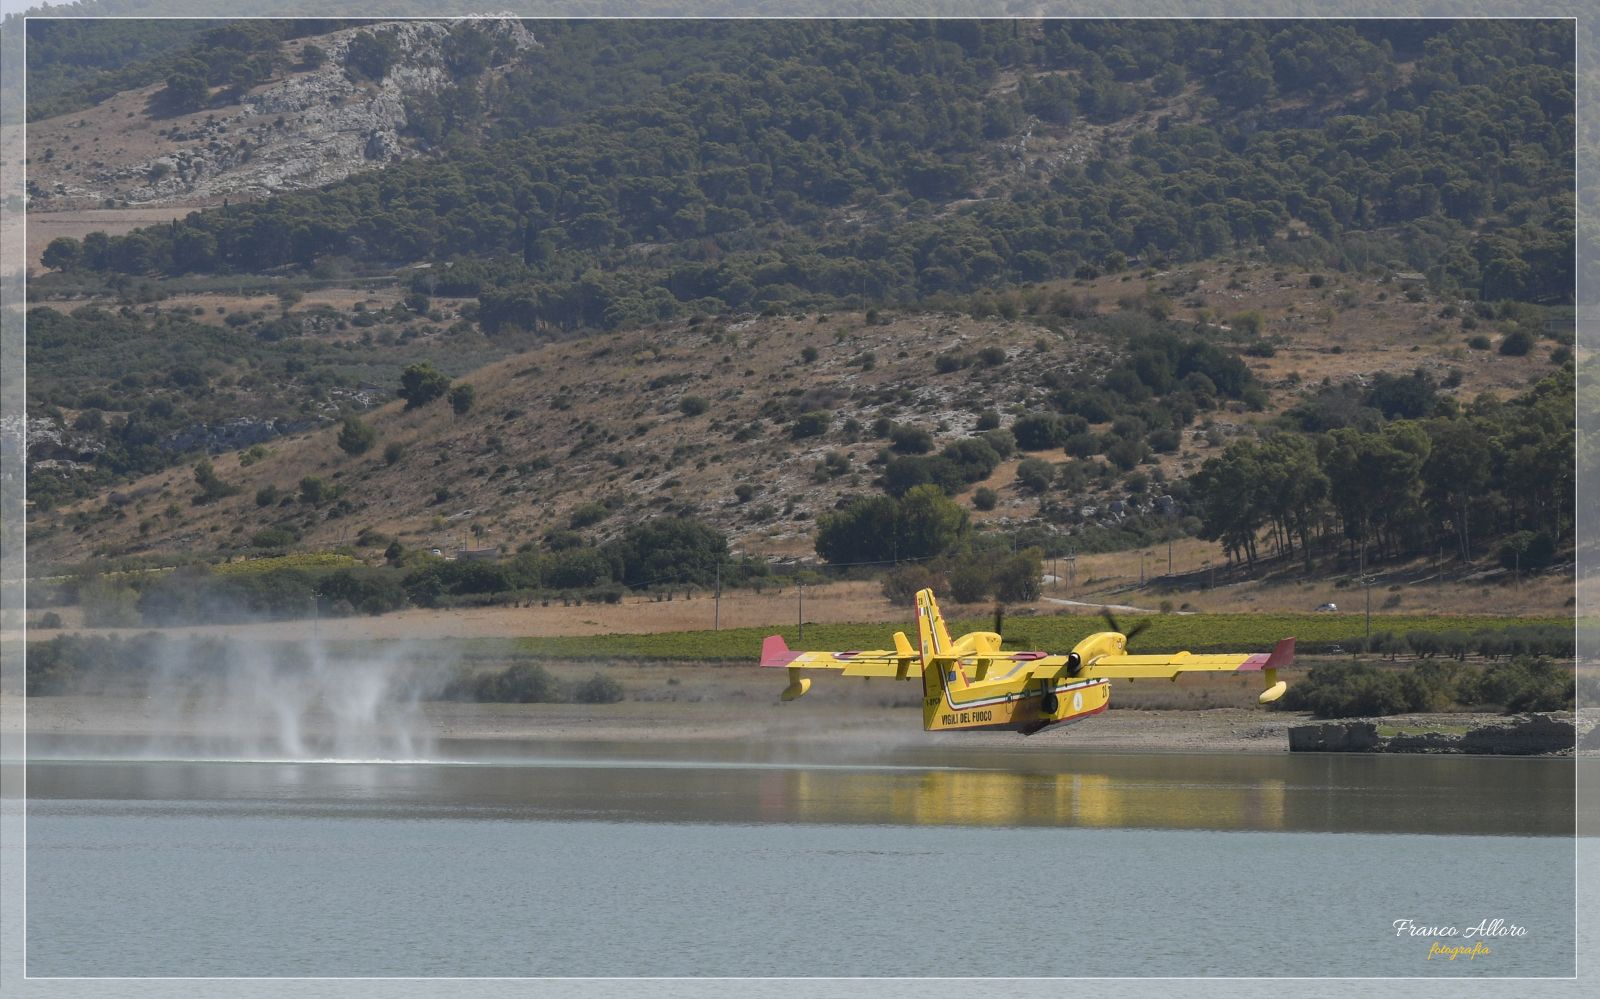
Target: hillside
pixel 605 411
pixel 1295 289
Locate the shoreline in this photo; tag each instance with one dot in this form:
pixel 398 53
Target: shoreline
pixel 128 722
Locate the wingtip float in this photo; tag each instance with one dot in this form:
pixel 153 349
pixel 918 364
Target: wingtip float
pixel 969 683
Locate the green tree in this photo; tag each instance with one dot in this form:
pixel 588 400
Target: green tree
pixel 668 550
pixel 421 383
pixel 63 254
pixel 356 437
pixel 212 488
pixel 462 398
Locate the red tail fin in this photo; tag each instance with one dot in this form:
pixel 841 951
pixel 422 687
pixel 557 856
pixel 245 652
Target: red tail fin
pixel 775 652
pixel 1283 655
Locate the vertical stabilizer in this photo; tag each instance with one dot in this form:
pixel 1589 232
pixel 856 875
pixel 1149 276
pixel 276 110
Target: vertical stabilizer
pixel 933 643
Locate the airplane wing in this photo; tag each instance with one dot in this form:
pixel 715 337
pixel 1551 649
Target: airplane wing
pixel 900 662
pixel 1169 666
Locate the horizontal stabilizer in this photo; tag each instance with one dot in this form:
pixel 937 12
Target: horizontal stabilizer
pixel 775 652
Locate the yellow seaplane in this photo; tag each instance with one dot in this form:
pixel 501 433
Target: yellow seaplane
pixel 969 683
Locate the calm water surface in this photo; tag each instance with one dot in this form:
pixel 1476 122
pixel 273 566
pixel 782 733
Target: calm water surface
pixel 703 860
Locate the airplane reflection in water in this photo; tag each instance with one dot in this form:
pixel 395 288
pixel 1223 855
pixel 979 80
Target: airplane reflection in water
pixel 990 798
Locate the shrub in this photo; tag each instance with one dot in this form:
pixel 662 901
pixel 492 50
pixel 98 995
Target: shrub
pixel 1126 454
pixel 268 496
pixel 901 585
pixel 421 383
pixel 744 491
pixel 902 475
pixel 1479 342
pixel 1035 474
pixel 1517 343
pixel 587 515
pixel 812 424
pixel 988 420
pixel 370 591
pixel 1003 442
pixel 212 488
pixel 985 498
pixel 356 437
pixel 598 690
pixel 693 405
pixel 1043 431
pixel 908 439
pixel 462 398
pixel 808 355
pixel 313 490
pixel 970 584
pixel 271 537
pixel 50 619
pixel 393 452
pixel 992 356
pixel 1017 579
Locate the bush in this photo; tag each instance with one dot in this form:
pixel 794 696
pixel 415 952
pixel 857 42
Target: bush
pixel 393 452
pixel 599 690
pixel 985 498
pixel 1017 579
pixel 212 488
pixel 907 439
pixel 970 584
pixel 668 550
pixel 901 586
pixel 1127 454
pixel 268 496
pixel 1035 474
pixel 1003 442
pixel 1041 431
pixel 693 405
pixel 356 437
pixel 462 398
pixel 902 475
pixel 371 591
pixel 421 383
pixel 271 537
pixel 744 491
pixel 587 515
pixel 988 420
pixel 812 424
pixel 519 683
pixel 1516 344
pixel 50 619
pixel 1479 342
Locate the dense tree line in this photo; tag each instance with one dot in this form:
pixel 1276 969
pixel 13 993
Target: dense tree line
pixel 725 185
pixel 1453 479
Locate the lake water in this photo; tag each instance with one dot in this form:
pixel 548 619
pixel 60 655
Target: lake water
pixel 603 860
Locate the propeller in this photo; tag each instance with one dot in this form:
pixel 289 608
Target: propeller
pixel 1128 635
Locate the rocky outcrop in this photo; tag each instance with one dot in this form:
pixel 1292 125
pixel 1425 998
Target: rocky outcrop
pixel 1519 735
pixel 312 128
pixel 239 432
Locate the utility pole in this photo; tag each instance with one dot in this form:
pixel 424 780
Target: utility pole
pixel 1141 567
pixel 1169 551
pixel 801 589
pixel 1516 571
pixel 717 603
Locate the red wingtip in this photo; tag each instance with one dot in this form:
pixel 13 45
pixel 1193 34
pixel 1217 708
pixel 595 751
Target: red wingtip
pixel 1283 655
pixel 775 651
